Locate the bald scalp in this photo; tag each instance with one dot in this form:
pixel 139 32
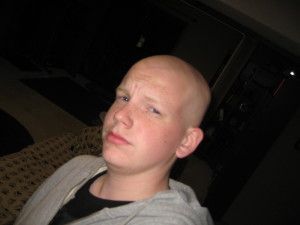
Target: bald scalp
pixel 193 85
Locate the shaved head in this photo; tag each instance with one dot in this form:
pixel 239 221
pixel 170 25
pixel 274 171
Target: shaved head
pixel 188 80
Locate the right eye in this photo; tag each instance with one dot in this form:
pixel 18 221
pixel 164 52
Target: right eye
pixel 123 98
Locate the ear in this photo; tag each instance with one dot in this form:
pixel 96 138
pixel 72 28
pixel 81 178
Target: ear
pixel 191 140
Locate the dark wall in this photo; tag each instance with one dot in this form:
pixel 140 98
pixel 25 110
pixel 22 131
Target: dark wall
pixel 101 39
pixel 271 195
pixel 250 118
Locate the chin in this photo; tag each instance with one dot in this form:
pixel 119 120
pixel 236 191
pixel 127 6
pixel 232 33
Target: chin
pixel 112 155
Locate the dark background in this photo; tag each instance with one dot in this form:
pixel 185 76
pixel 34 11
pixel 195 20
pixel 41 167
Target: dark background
pixel 254 97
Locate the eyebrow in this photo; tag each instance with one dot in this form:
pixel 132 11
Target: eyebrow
pixel 121 89
pixel 147 98
pixel 152 100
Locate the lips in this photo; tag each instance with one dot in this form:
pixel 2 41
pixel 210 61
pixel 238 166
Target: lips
pixel 116 139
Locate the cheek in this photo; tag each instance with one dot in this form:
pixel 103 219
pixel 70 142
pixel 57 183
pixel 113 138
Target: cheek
pixel 110 111
pixel 161 138
pixel 109 117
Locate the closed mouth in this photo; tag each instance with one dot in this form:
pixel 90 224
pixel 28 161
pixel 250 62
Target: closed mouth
pixel 116 139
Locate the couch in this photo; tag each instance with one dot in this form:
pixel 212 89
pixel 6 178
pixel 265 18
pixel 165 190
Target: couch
pixel 22 172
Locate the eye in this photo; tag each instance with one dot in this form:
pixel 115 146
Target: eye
pixel 125 98
pixel 154 110
pixel 122 98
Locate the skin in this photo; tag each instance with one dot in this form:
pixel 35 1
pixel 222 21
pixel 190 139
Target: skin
pixel 153 121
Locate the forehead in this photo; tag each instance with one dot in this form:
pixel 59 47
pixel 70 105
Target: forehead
pixel 156 79
pixel 157 84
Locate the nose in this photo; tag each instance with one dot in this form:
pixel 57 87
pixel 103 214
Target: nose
pixel 123 115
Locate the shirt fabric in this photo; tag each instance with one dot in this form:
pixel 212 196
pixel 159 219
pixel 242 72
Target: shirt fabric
pixel 83 204
pixel 178 205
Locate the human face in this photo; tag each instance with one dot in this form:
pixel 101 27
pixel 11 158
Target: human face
pixel 144 126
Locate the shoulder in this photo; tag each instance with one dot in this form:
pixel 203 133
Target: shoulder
pixel 60 183
pixel 71 172
pixel 84 160
pixel 178 205
pixel 80 163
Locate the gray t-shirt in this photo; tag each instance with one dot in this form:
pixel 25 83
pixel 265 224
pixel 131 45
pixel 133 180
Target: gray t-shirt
pixel 178 205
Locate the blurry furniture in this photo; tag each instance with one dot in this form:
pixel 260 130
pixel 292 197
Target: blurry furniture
pixel 22 172
pixel 15 138
pixel 197 174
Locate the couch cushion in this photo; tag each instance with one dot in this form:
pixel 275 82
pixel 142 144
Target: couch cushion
pixel 22 172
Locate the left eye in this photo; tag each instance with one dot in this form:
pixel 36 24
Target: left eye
pixel 154 110
pixel 125 98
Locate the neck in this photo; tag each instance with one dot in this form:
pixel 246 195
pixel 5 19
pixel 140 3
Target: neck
pixel 124 187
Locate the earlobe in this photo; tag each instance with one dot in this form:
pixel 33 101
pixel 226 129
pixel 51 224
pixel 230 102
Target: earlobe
pixel 192 139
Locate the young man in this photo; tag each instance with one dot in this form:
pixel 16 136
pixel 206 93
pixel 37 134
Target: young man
pixel 154 120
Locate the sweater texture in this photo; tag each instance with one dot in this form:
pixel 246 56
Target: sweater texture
pixel 178 205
